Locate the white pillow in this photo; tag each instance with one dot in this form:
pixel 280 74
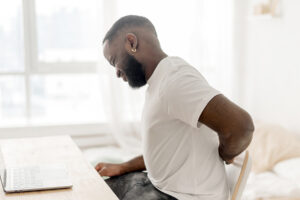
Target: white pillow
pixel 289 169
pixel 268 185
pixel 272 144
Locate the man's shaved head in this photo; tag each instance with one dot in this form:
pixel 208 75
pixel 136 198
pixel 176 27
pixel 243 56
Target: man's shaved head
pixel 128 21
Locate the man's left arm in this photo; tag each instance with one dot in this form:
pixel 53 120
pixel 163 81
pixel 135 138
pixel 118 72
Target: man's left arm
pixel 233 125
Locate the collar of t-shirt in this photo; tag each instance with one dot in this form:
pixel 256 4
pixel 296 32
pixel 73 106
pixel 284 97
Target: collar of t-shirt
pixel 160 71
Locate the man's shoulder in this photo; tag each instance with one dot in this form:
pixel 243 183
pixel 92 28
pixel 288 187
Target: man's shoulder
pixel 180 74
pixel 178 67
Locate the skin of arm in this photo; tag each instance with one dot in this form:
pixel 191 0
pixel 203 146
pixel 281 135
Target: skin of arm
pixel 135 164
pixel 107 169
pixel 233 125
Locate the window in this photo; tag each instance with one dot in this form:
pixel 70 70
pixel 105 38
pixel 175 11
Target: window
pixel 48 62
pixel 11 38
pixel 66 98
pixel 12 90
pixel 68 30
pixel 12 97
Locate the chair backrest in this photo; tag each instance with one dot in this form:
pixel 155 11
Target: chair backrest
pixel 237 174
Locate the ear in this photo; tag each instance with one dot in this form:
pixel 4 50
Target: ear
pixel 131 43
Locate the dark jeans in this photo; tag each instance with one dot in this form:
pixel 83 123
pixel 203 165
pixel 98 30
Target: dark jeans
pixel 136 186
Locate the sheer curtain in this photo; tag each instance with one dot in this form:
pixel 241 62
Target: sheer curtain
pixel 200 31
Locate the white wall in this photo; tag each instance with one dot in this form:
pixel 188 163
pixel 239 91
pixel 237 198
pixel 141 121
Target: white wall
pixel 267 59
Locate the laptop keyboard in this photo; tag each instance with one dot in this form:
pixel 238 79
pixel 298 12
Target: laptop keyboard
pixel 31 178
pixel 22 178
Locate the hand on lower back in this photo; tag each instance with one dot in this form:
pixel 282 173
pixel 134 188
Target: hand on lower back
pixel 108 169
pixel 228 159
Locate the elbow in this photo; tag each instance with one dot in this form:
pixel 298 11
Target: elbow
pixel 246 131
pixel 239 136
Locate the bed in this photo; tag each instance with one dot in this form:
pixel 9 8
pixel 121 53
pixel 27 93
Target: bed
pixel 276 164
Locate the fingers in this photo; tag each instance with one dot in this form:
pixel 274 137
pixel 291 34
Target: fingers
pixel 99 166
pixel 102 169
pixel 103 172
pixel 107 169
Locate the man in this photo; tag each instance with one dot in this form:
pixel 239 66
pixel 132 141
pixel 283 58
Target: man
pixel 188 128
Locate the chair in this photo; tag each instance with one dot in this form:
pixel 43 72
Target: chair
pixel 237 175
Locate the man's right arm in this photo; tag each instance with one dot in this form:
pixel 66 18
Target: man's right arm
pixel 108 169
pixel 233 125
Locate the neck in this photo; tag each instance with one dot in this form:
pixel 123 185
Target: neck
pixel 152 62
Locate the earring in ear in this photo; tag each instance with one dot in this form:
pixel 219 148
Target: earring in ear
pixel 133 50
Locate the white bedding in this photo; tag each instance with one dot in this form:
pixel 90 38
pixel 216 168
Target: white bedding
pixel 283 181
pixel 268 184
pixel 289 169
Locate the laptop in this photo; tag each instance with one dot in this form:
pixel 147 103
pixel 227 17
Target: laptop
pixel 33 178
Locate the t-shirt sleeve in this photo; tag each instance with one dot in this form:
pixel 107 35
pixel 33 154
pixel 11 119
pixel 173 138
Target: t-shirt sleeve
pixel 186 95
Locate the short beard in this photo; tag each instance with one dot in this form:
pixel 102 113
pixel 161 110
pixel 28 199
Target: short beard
pixel 134 72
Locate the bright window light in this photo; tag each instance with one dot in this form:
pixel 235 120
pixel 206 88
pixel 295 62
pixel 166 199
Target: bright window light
pixel 12 100
pixel 67 98
pixel 11 40
pixel 68 30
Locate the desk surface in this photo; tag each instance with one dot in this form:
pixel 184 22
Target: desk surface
pixel 87 185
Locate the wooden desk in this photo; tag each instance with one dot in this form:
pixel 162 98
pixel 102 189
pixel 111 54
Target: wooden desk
pixel 87 184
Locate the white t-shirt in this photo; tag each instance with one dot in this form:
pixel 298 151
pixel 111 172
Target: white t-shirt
pixel 181 154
